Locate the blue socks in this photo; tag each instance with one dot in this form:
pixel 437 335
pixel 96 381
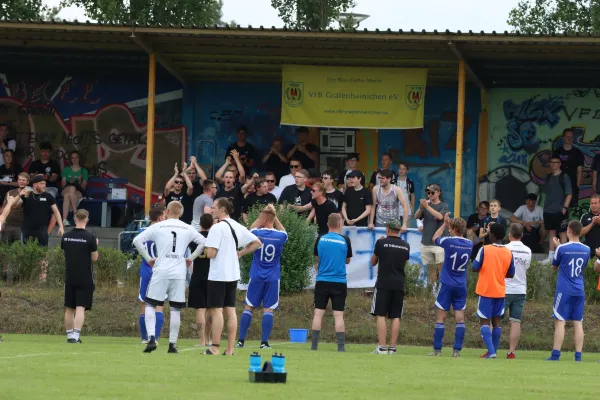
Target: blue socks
pixel 486 335
pixel 496 334
pixel 459 336
pixel 438 336
pixel 578 356
pixel 142 322
pixel 245 323
pixel 160 320
pixel 555 356
pixel 267 326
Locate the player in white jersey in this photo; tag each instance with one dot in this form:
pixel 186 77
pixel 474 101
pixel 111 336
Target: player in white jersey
pixel 171 238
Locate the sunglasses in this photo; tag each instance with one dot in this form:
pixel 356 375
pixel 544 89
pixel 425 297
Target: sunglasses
pixel 429 192
pixel 270 180
pixel 179 182
pixel 294 166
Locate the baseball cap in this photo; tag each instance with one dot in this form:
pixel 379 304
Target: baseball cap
pixel 355 174
pixel 38 179
pixel 394 224
pixel 531 196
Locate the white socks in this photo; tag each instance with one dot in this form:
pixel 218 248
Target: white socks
pixel 150 320
pixel 175 322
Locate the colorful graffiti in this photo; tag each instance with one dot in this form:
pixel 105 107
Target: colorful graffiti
pixel 525 127
pixel 78 114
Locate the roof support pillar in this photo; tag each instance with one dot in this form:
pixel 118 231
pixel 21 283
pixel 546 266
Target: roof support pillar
pixel 460 123
pixel 150 134
pixel 459 55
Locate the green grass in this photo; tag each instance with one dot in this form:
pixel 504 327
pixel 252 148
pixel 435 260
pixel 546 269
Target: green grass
pixel 46 367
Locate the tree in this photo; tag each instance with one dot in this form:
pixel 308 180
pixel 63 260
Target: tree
pixel 313 14
pixel 556 16
pixel 153 12
pixel 26 9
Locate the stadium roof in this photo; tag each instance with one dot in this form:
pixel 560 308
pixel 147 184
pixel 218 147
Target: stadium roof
pixel 257 54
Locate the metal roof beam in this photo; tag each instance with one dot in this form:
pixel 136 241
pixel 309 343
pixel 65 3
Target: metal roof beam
pixel 469 69
pixel 149 47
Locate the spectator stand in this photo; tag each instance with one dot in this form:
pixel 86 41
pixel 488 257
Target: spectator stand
pixel 109 193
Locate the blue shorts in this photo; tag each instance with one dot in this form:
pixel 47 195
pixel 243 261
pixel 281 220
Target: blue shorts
pixel 451 296
pixel 489 307
pixel 568 308
pixel 144 282
pixel 263 292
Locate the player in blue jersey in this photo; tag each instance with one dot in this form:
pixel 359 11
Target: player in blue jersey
pixel 453 282
pixel 157 214
pixel 265 273
pixel 570 259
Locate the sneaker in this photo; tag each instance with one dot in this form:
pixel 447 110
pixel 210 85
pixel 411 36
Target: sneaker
pixel 552 359
pixel 151 346
pixel 240 344
pixel 435 354
pixel 66 223
pixel 511 356
pixel 265 346
pixel 456 353
pixel 391 350
pixel 225 353
pixel 71 341
pixel 144 341
pixel 172 348
pixel 380 350
pixel 79 341
pixel 210 353
pixel 485 355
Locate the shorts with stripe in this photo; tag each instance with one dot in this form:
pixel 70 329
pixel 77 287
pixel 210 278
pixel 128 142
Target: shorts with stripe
pixel 161 288
pixel 568 308
pixel 490 307
pixel 263 292
pixel 387 303
pixel 455 296
pixel 144 282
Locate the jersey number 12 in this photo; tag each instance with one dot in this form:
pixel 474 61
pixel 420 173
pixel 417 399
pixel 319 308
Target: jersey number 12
pixel 461 267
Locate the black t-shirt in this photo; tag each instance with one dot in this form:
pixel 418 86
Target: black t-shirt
pixel 246 152
pixel 78 246
pixel 474 222
pixel 571 160
pixel 356 204
pixel 183 198
pixel 375 177
pixel 337 198
pixel 305 160
pixel 592 239
pixel 236 197
pixel 188 201
pixel 322 212
pixel 293 195
pixel 37 209
pixel 278 167
pixel 489 219
pixel 51 167
pixel 393 253
pixel 254 199
pixel 201 263
pixel 341 179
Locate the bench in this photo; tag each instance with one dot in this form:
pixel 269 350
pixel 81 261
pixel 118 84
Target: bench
pixel 99 192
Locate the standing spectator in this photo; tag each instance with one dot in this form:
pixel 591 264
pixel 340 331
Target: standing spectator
pixel 516 287
pixel 591 225
pixel 50 169
pixel 493 218
pixel 81 251
pixel 351 160
pixel 556 206
pixel 332 194
pixel 387 200
pixel 197 177
pixel 572 163
pixel 222 244
pixel 275 161
pixel 531 216
pixel 233 164
pixel 233 193
pixel 474 223
pixel 271 180
pixel 203 203
pixel 386 165
pixel 332 252
pixel 12 227
pixel 298 195
pixel 7 142
pixel 357 201
pixel 306 153
pixel 391 254
pixel 289 180
pixel 246 152
pixel 260 196
pixel 174 187
pixel 408 189
pixel 74 183
pixel 9 173
pixel 322 208
pixel 432 213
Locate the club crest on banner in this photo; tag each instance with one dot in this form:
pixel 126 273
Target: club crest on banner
pixel 414 96
pixel 294 93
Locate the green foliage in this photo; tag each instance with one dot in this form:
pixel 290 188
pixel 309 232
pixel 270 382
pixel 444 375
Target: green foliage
pixel 26 9
pixel 297 258
pixel 312 14
pixel 110 266
pixel 25 260
pixel 556 16
pixel 413 285
pixel 164 12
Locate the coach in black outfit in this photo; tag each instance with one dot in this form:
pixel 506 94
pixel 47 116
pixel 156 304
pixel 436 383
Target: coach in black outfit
pixel 81 250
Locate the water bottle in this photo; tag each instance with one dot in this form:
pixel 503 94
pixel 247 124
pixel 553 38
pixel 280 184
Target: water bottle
pixel 255 361
pixel 278 362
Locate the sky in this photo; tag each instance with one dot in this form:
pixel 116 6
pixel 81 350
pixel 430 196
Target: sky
pixel 464 15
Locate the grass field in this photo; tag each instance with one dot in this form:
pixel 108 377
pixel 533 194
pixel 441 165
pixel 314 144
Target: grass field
pixel 46 367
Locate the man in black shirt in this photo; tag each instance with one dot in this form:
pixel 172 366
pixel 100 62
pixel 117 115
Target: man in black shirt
pixel 572 161
pixel 197 297
pixel 591 225
pixel 50 169
pixel 81 250
pixel 275 160
pixel 247 152
pixel 306 153
pixel 297 195
pixel 260 196
pixel 357 201
pixel 230 191
pixel 332 194
pixel 474 223
pixel 391 253
pixel 180 188
pixel 322 208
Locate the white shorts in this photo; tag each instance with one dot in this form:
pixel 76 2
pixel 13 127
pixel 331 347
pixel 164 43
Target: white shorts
pixel 161 288
pixel 432 254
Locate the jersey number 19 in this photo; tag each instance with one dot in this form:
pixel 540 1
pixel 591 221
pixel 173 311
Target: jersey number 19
pixel 267 253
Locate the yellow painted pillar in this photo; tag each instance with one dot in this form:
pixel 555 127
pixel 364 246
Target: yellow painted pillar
pixel 150 133
pixel 460 122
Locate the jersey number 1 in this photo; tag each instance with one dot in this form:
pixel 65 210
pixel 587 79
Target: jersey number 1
pixel 174 240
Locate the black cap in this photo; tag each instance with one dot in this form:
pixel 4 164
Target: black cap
pixel 531 196
pixel 38 179
pixel 355 174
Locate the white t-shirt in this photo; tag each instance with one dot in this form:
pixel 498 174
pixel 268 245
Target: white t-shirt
pixel 225 267
pixel 171 238
pixel 526 215
pixel 276 192
pixel 287 180
pixel 522 257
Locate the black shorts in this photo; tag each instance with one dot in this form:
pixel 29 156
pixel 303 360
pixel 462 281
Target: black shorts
pixel 387 303
pixel 336 291
pixel 532 239
pixel 556 221
pixel 198 293
pixel 79 296
pixel 221 294
pixel 41 234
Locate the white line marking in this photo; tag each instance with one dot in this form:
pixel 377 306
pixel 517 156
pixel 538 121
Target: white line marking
pixel 46 354
pixel 192 349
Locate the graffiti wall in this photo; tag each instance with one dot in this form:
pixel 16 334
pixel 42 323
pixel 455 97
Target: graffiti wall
pixel 525 127
pixel 105 120
pixel 431 152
